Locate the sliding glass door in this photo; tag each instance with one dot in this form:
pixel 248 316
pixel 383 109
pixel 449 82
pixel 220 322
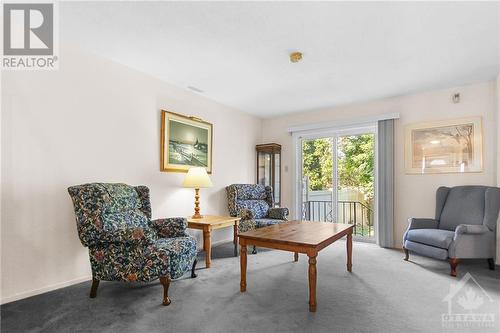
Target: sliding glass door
pixel 338 179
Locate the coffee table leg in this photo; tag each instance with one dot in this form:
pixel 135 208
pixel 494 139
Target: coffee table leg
pixel 207 245
pixel 296 256
pixel 243 266
pixel 349 252
pixel 235 239
pixel 312 283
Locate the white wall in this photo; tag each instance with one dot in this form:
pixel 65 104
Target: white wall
pixel 96 121
pixel 498 162
pixel 498 131
pixel 414 194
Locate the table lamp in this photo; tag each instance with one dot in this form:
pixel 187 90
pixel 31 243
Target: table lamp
pixel 197 178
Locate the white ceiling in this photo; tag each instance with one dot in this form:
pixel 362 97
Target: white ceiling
pixel 237 53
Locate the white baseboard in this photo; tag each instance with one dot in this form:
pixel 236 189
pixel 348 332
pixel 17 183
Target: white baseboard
pixel 34 292
pixel 26 294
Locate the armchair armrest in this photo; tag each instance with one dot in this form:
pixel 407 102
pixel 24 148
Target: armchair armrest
pixel 471 229
pixel 422 223
pixel 278 213
pixel 170 227
pixel 246 214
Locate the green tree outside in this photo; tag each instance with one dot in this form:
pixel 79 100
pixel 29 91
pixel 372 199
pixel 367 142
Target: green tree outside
pixel 355 163
pixel 355 167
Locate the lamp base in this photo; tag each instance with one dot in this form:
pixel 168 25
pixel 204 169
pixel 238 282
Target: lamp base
pixel 197 214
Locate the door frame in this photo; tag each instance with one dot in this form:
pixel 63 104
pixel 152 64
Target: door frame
pixel 333 132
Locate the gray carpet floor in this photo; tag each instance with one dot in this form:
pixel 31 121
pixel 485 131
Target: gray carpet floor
pixel 383 294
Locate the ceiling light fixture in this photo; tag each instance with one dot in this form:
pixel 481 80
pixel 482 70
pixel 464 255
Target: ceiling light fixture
pixel 295 57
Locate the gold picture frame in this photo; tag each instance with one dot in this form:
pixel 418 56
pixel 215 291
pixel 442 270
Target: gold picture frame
pixel 185 142
pixel 447 146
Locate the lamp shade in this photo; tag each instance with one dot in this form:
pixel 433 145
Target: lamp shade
pixel 197 178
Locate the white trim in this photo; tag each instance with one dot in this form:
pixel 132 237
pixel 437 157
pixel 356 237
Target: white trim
pixel 337 124
pixel 26 294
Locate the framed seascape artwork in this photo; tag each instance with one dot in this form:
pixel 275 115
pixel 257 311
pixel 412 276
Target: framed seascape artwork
pixel 185 142
pixel 444 146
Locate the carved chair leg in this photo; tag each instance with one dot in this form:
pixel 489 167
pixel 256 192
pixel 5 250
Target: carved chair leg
pixel 254 251
pixel 193 274
pixel 165 281
pixel 491 264
pixel 93 289
pixel 453 265
pixel 407 254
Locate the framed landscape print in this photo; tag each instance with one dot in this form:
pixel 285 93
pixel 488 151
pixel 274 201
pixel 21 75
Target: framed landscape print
pixel 185 142
pixel 444 146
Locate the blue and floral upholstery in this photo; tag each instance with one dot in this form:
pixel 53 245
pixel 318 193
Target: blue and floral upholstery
pixel 114 222
pixel 254 204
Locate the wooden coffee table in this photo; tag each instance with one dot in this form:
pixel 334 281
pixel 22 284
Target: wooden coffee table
pixel 211 222
pixel 298 237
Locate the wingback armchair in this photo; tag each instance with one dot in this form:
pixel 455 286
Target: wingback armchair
pixel 114 222
pixel 464 226
pixel 254 204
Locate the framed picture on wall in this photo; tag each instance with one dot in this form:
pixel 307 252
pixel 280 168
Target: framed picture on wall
pixel 185 142
pixel 448 146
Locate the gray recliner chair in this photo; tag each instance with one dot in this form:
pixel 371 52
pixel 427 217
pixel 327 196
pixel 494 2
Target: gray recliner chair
pixel 464 226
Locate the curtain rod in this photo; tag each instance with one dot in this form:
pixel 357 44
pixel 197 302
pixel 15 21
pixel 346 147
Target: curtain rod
pixel 339 123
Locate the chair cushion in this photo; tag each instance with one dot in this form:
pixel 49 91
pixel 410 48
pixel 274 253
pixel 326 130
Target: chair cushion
pixel 463 205
pixel 433 237
pixel 181 252
pixel 259 223
pixel 258 207
pixel 126 262
pixel 250 192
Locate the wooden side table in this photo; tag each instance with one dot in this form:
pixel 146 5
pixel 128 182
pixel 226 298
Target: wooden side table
pixel 212 222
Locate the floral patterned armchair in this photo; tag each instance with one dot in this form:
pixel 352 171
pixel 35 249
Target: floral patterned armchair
pixel 114 222
pixel 254 204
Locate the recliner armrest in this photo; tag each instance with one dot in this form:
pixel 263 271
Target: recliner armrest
pixel 170 227
pixel 471 229
pixel 278 213
pixel 422 223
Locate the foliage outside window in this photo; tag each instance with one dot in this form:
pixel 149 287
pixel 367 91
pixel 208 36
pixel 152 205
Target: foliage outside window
pixel 355 164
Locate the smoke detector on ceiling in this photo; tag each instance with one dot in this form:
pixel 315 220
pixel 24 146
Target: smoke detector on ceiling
pixel 295 57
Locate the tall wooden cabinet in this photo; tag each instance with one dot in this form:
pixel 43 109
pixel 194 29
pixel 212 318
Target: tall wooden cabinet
pixel 269 168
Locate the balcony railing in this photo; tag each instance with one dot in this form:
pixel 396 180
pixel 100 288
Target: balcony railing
pixel 353 212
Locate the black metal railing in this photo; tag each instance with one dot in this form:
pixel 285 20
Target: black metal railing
pixel 353 212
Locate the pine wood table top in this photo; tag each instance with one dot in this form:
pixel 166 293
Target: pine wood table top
pixel 213 220
pixel 298 237
pixel 299 233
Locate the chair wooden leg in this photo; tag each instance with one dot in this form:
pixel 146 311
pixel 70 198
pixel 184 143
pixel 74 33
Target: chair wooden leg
pixel 453 265
pixel 491 264
pixel 165 281
pixel 254 251
pixel 93 289
pixel 407 254
pixel 193 274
